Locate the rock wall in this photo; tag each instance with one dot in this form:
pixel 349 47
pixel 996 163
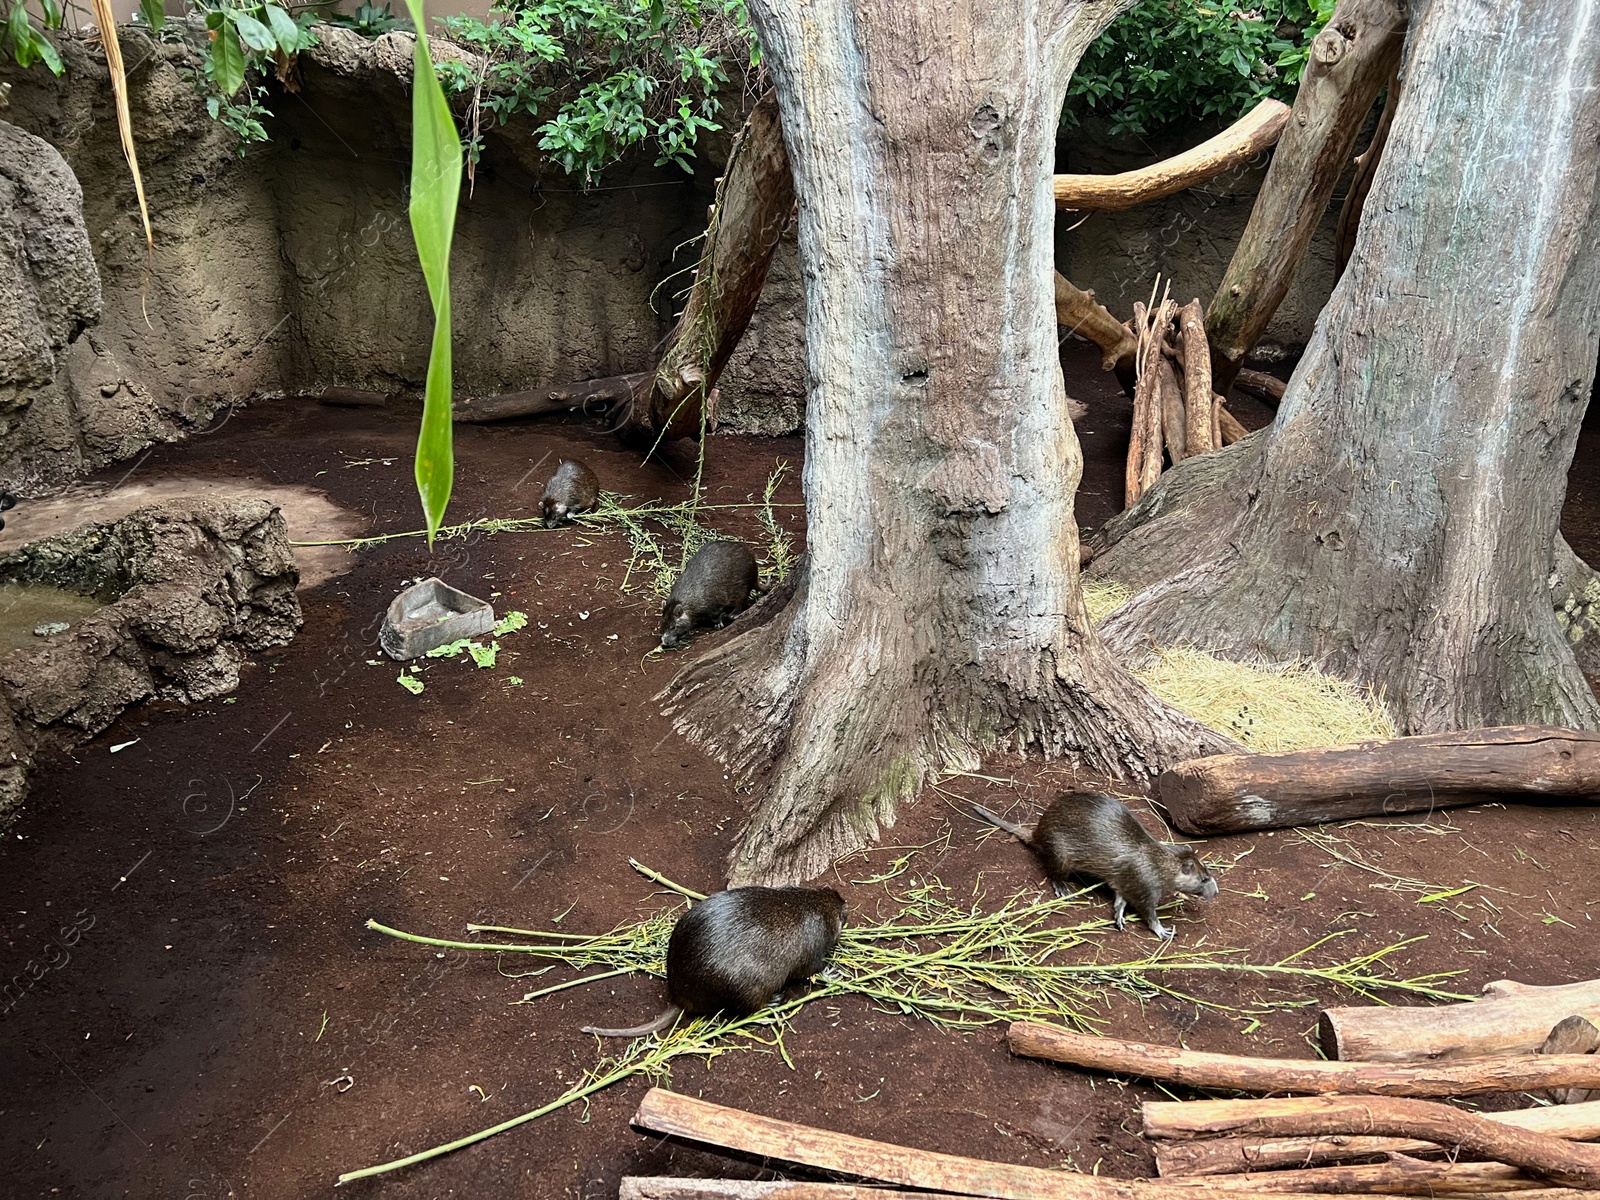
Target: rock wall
pixel 292 268
pixel 189 589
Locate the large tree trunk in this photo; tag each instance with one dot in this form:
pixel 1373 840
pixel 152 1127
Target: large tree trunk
pixel 938 614
pixel 1398 524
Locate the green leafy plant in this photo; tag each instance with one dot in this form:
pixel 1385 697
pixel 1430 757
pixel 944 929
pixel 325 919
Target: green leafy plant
pixel 603 76
pixel 24 42
pixel 435 189
pixel 1166 62
pixel 369 20
pixel 244 41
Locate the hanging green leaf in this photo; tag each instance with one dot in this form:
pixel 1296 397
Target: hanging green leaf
pixel 53 16
pixel 155 14
pixel 253 33
pixel 47 53
pixel 227 58
pixel 284 29
pixel 435 188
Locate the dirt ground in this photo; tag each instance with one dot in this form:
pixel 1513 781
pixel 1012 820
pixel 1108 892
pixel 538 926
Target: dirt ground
pixel 217 1021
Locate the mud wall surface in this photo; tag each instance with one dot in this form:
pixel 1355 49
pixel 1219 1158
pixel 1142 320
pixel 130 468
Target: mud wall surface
pixel 291 268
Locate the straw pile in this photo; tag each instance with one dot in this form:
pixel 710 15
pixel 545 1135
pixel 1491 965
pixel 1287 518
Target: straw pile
pixel 1263 707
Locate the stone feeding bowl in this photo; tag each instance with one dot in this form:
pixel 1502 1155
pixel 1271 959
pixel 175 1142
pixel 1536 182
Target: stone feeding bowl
pixel 431 614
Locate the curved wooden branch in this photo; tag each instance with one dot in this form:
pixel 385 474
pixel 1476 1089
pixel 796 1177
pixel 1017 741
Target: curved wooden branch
pixel 1575 1164
pixel 1247 137
pixel 1477 1077
pixel 1079 312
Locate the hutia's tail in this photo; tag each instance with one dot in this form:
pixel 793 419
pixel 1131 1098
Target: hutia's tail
pixel 668 1016
pixel 999 822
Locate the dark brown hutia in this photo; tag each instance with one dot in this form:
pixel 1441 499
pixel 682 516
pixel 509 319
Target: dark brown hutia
pixel 735 950
pixel 573 489
pixel 1094 835
pixel 714 588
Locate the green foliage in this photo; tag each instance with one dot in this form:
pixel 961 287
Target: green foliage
pixel 243 41
pixel 435 189
pixel 1168 62
pixel 603 76
pixel 369 20
pixel 24 42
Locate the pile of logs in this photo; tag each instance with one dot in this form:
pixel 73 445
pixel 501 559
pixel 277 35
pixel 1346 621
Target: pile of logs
pixel 1174 407
pixel 1386 1107
pixel 1382 1100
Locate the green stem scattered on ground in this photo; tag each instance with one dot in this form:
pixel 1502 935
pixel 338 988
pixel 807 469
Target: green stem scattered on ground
pixel 951 964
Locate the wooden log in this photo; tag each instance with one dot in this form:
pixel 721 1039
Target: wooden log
pixel 1230 1156
pixel 663 1187
pixel 1198 406
pixel 1402 1176
pixel 755 197
pixel 1252 134
pixel 1174 422
pixel 343 397
pixel 1572 1164
pixel 1232 793
pixel 1219 1119
pixel 675 1115
pixel 1144 396
pixel 1511 1018
pixel 1366 164
pixel 1196 1068
pixel 1349 62
pixel 1229 430
pixel 1577 1034
pixel 1078 311
pixel 589 395
pixel 1258 383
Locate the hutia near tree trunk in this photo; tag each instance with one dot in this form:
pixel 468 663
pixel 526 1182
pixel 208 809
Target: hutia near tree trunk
pixel 937 614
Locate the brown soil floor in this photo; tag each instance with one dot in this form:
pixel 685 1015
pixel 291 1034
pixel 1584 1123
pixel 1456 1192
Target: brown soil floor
pixel 225 1025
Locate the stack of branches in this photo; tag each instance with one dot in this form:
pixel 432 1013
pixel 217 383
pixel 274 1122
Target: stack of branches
pixel 1175 409
pixel 1380 1120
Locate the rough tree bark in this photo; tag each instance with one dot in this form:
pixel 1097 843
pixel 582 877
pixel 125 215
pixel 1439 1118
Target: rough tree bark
pixel 937 615
pixel 1398 524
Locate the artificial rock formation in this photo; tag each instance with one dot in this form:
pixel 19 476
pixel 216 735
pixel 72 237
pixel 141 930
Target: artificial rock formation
pixel 190 589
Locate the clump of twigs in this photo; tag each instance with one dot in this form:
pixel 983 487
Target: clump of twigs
pixel 947 960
